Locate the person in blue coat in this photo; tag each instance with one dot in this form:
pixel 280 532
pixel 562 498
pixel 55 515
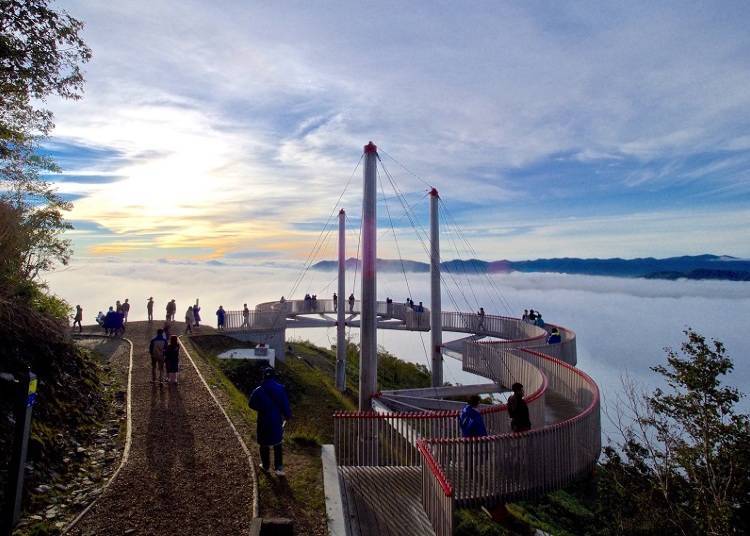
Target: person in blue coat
pixel 270 401
pixel 470 420
pixel 554 337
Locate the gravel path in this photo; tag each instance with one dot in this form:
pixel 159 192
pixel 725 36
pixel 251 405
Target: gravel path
pixel 187 473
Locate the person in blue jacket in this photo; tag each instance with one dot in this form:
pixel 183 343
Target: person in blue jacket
pixel 554 337
pixel 470 420
pixel 220 315
pixel 270 401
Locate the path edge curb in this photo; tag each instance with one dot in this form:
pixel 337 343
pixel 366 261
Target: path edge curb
pixel 246 450
pixel 128 434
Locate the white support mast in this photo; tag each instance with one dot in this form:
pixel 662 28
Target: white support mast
pixel 368 362
pixel 436 326
pixel 340 304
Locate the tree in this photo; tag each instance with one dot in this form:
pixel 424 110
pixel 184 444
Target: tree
pixel 41 53
pixel 683 464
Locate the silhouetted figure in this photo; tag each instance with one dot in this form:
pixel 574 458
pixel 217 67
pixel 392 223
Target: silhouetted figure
pixel 156 348
pixel 220 317
pixel 189 319
pixel 77 318
pixel 470 420
pixel 150 309
pixel 245 316
pixel 125 311
pixel 335 302
pixel 172 359
pixel 196 314
pixel 518 410
pixel 351 302
pixel 270 401
pixel 480 318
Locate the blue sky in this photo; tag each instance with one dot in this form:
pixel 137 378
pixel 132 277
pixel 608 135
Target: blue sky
pixel 582 129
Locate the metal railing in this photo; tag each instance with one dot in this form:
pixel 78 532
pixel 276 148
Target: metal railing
pixel 503 465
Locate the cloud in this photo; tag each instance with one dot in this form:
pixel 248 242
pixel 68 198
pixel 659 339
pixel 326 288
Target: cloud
pixel 261 112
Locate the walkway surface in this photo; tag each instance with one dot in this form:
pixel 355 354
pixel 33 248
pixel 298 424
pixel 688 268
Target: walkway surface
pixel 187 473
pixel 383 501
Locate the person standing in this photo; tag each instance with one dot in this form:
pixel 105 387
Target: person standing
pixel 77 318
pixel 172 359
pixel 480 317
pixel 171 310
pixel 335 302
pixel 125 311
pixel 196 314
pixel 518 410
pixel 270 401
pixel 150 309
pixel 118 307
pixel 245 316
pixel 351 302
pixel 189 319
pixel 220 316
pixel 156 348
pixel 470 420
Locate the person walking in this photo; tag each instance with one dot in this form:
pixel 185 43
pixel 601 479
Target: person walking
pixel 150 309
pixel 156 348
pixel 189 319
pixel 470 420
pixel 245 316
pixel 196 314
pixel 480 317
pixel 125 311
pixel 270 401
pixel 220 317
pixel 77 318
pixel 172 359
pixel 518 410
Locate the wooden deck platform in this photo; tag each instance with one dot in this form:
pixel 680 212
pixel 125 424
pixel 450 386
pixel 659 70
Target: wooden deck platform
pixel 383 501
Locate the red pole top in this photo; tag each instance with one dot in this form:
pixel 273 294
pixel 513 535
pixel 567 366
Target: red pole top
pixel 371 148
pixel 342 211
pixel 434 192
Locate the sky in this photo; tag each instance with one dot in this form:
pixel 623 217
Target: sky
pixel 227 132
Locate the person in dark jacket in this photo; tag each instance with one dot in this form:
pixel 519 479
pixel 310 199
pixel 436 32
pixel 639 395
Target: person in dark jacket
pixel 156 348
pixel 270 401
pixel 220 315
pixel 470 420
pixel 554 337
pixel 172 359
pixel 110 322
pixel 518 410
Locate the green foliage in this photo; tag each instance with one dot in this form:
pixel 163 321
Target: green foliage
pixel 475 523
pixel 40 54
pixel 683 465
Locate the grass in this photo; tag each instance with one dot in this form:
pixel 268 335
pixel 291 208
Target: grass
pixel 308 376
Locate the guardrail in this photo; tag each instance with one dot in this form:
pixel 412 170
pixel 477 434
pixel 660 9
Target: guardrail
pixel 503 465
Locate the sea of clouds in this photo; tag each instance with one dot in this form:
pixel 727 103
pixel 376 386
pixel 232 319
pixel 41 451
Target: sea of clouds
pixel 622 324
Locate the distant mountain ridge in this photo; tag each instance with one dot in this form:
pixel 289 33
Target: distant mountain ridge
pixel 690 267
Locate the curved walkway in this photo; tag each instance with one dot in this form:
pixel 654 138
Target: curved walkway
pixel 419 427
pixel 186 472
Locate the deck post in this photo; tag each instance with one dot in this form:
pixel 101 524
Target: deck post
pixel 436 327
pixel 340 308
pixel 368 362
